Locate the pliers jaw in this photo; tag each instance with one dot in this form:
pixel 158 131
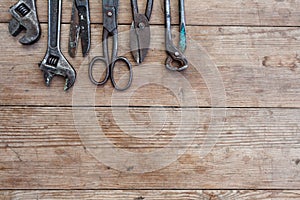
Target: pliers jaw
pixel 80 27
pixel 176 61
pixel 25 17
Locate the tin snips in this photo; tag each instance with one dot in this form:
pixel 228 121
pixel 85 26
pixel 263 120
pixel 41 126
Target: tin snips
pixel 140 31
pixel 80 27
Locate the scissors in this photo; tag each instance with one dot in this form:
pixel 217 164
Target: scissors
pixel 140 31
pixel 80 27
pixel 176 61
pixel 110 28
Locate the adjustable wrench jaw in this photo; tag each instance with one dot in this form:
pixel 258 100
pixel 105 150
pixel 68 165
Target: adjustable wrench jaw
pixel 54 63
pixel 25 17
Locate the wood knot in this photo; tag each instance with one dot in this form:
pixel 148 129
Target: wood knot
pixel 281 61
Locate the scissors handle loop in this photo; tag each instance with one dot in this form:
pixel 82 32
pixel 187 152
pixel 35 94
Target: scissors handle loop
pixel 91 66
pixel 112 67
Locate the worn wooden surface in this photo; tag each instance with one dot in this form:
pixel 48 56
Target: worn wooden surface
pixel 153 194
pixel 254 48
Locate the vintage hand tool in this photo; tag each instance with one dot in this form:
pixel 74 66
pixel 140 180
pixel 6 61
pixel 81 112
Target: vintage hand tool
pixel 110 28
pixel 25 17
pixel 80 27
pixel 140 31
pixel 175 61
pixel 54 63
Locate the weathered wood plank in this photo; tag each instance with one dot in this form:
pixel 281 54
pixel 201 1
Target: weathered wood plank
pixel 216 12
pixel 153 194
pixel 258 67
pixel 257 149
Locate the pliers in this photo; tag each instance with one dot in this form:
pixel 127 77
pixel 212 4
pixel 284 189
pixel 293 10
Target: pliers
pixel 80 27
pixel 176 60
pixel 140 31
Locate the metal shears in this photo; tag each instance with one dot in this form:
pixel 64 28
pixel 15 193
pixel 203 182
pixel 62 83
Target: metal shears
pixel 80 27
pixel 140 31
pixel 176 61
pixel 110 28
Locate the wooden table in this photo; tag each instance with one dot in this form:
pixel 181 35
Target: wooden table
pixel 252 46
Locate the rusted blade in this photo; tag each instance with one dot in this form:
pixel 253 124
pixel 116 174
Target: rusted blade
pixel 74 31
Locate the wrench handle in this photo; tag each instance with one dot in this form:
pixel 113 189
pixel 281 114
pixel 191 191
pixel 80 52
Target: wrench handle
pixel 54 19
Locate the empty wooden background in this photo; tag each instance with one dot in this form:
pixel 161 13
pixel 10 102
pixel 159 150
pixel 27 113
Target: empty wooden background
pixel 255 46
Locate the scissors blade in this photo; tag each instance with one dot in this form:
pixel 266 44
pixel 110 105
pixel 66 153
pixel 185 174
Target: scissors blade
pixel 140 38
pixel 74 31
pixel 134 44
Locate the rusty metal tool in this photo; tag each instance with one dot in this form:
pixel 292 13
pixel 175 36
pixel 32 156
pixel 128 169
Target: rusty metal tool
pixel 140 31
pixel 54 63
pixel 110 28
pixel 176 61
pixel 80 27
pixel 24 16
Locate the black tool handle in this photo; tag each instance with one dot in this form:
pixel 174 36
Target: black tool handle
pixel 134 7
pixel 149 9
pixel 54 19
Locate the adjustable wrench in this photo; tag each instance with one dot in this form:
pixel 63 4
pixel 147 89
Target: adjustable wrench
pixel 54 63
pixel 24 16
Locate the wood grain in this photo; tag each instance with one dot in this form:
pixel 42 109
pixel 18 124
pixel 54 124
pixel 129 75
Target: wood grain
pixel 258 67
pixel 257 149
pixel 215 12
pixel 153 194
pixel 240 98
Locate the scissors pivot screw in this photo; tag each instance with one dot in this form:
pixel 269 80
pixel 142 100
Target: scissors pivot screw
pixel 109 13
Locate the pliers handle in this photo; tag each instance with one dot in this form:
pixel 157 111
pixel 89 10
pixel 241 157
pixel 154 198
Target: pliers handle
pixel 148 11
